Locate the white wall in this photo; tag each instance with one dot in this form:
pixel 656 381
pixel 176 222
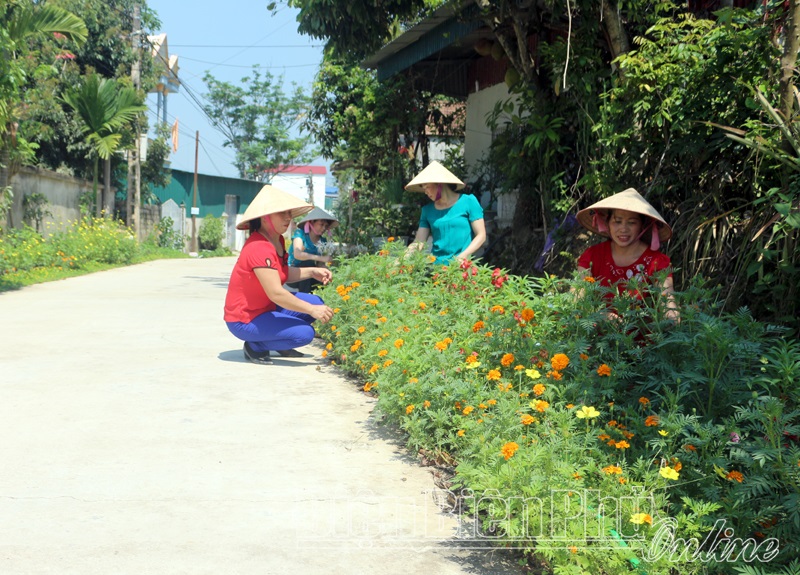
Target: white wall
pixel 479 136
pixel 295 184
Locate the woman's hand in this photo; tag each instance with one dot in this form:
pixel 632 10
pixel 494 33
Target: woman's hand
pixel 322 313
pixel 323 275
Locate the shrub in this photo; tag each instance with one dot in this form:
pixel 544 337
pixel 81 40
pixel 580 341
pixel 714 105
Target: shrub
pixel 211 233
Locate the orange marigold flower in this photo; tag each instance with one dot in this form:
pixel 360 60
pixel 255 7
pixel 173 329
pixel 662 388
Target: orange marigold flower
pixel 509 449
pixel 622 480
pixel 440 346
pixel 583 356
pixel 554 375
pixel 460 433
pixel 361 329
pixel 324 353
pixel 573 549
pixel 488 334
pixel 541 405
pixel 527 314
pixel 398 343
pixel 471 359
pixel 426 404
pixel 507 360
pixel 622 444
pixel 604 370
pixel 497 309
pixel 734 476
pixel 538 389
pixel 493 374
pixel 374 368
pixel 504 387
pixel 387 363
pixel 604 437
pixel 409 408
pixel 422 305
pixel 612 423
pixel 492 402
pixel 570 405
pixel 651 421
pixel 589 279
pixel 519 367
pixel 447 341
pixel 390 239
pixel 382 319
pixel 612 469
pixel 559 362
pixel 368 386
pixel 689 447
pixel 382 352
pixel 467 410
pixel 628 434
pixel 329 346
pixel 644 401
pixel 527 419
pixel 478 326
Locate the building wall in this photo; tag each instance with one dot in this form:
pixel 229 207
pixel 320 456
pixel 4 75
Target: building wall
pixel 62 193
pixel 479 136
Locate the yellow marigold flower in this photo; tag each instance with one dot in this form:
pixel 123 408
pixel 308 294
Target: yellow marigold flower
pixel 612 469
pixel 378 339
pixel 361 329
pixel 387 363
pixel 527 419
pixel 663 433
pixel 482 405
pixel 324 353
pixel 497 309
pixel 538 389
pixel 413 380
pixel 573 549
pixel 345 297
pixel 734 476
pixel 398 343
pixel 604 370
pixel 368 386
pixel 478 326
pixel 333 328
pixel 644 401
pixel 447 341
pixel 443 312
pixel 440 346
pixel 374 368
pixel 492 402
pixel 473 365
pixel 533 374
pixel 570 405
pixel 509 449
pixel 504 387
pixel 409 408
pixel 587 413
pixel 354 284
pixel 431 259
pixel 467 410
pixel 651 421
pixel 507 360
pixel 329 346
pixel 668 472
pixel 559 362
pixel 382 319
pixel 622 444
pixel 527 314
pixel 422 305
pixel 519 367
pixel 426 404
pixel 383 352
pixel 460 433
pixel 640 518
pixel 493 374
pixel 583 356
pixel 471 358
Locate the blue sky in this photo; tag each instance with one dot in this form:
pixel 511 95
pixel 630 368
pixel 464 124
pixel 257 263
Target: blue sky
pixel 227 38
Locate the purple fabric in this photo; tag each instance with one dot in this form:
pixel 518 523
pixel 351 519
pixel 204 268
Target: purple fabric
pixel 279 329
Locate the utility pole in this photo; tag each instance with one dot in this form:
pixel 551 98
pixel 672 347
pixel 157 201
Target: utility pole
pixel 134 165
pixel 195 210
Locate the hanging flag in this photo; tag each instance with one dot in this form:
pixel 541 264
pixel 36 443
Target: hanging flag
pixel 175 136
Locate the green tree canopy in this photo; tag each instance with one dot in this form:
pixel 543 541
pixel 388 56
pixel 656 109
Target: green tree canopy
pixel 259 121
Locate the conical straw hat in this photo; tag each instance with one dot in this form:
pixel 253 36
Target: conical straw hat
pixel 319 214
pixel 435 173
pixel 629 200
pixel 271 200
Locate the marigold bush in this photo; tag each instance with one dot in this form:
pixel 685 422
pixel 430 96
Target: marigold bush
pixel 554 412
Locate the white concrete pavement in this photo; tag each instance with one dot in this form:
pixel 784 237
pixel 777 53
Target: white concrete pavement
pixel 134 438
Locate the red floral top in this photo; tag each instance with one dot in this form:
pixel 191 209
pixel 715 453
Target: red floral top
pixel 600 263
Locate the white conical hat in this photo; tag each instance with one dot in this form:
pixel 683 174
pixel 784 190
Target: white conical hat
pixel 435 173
pixel 629 200
pixel 271 200
pixel 319 214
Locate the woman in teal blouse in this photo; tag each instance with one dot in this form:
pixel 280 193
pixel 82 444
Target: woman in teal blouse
pixel 454 220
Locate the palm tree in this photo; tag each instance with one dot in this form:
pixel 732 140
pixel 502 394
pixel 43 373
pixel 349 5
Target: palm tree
pixel 20 20
pixel 104 107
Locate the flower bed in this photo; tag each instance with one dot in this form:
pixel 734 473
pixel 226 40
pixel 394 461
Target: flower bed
pixel 590 445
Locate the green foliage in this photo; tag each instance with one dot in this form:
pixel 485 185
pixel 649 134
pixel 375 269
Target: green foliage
pixel 211 233
pixel 167 237
pixel 34 209
pixel 538 399
pixel 257 120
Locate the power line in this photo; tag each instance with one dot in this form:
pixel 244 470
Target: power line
pixel 246 46
pixel 246 66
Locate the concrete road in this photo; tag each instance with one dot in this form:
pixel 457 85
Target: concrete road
pixel 134 438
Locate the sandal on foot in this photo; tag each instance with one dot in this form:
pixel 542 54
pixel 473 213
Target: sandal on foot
pixel 260 357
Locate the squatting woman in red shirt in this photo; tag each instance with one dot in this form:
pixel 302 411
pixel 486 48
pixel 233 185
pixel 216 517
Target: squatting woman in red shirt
pixel 258 309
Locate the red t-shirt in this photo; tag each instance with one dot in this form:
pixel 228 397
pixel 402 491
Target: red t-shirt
pixel 600 263
pixel 246 298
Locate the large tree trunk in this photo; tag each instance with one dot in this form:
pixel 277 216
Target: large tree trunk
pixel 108 198
pixel 791 45
pixel 614 29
